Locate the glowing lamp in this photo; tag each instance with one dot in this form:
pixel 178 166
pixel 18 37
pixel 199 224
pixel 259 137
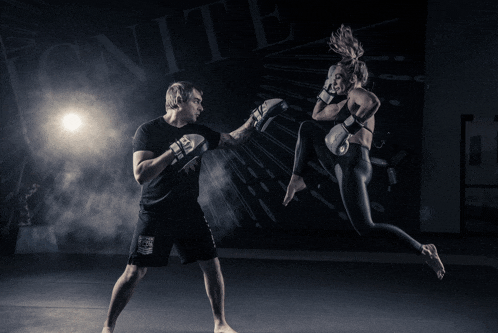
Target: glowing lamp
pixel 71 122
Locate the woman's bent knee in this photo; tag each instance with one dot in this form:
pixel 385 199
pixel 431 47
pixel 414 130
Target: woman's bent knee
pixel 362 228
pixel 306 126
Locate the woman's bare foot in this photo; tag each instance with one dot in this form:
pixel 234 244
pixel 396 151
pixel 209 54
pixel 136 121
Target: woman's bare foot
pixel 296 184
pixel 432 259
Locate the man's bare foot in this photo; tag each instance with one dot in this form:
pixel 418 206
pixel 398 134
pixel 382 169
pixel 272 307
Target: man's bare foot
pixel 107 328
pixel 432 259
pixel 296 184
pixel 223 328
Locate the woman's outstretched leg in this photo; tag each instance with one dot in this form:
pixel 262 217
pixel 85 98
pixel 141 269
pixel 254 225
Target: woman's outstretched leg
pixel 432 259
pixel 353 173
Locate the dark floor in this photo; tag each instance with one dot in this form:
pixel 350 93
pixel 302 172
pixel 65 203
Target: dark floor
pixel 333 292
pixel 474 244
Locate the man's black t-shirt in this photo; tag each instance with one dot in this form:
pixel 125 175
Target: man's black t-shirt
pixel 173 191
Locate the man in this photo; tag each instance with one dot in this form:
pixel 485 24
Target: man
pixel 166 162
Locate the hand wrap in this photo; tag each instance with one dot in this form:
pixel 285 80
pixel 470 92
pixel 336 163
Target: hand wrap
pixel 188 149
pixel 327 93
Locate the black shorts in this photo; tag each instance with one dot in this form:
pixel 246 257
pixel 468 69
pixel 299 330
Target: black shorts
pixel 155 235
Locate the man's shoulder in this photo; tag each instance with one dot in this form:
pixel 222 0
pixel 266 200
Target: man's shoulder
pixel 152 123
pixel 212 136
pixel 196 126
pixel 201 127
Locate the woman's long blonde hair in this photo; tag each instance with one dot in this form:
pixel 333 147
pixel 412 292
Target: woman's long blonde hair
pixel 350 49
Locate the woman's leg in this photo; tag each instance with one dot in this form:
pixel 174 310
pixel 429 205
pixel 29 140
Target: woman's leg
pixel 309 136
pixel 353 173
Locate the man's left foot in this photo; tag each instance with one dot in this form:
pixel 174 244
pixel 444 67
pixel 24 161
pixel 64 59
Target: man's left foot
pixel 225 328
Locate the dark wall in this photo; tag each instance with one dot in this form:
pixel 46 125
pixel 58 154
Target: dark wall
pixel 461 79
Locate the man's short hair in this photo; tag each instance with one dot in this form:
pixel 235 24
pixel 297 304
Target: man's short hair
pixel 179 92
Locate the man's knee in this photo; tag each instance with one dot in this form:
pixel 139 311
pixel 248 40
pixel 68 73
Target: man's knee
pixel 211 265
pixel 134 273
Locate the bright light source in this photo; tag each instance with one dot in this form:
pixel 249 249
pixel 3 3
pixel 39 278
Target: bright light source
pixel 71 122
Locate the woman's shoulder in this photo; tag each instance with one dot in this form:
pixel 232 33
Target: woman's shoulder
pixel 360 92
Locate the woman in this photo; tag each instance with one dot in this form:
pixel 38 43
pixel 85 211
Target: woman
pixel 344 151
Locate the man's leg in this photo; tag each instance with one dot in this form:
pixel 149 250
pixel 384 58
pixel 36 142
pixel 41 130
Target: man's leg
pixel 215 288
pixel 121 294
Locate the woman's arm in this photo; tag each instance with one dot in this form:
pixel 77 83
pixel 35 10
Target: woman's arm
pixel 365 104
pixel 324 112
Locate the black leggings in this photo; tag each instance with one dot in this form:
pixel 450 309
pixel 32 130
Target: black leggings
pixel 353 172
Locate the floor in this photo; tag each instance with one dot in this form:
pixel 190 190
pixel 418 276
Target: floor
pixel 342 292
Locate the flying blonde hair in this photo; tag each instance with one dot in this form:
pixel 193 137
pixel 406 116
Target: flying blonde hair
pixel 350 49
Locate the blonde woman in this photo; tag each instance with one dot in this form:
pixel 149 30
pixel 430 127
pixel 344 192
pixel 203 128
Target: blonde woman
pixel 344 150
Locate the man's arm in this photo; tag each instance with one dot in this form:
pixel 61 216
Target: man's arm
pixel 146 167
pixel 237 137
pixel 258 121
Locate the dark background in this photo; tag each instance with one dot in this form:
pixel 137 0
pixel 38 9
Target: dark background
pixel 54 61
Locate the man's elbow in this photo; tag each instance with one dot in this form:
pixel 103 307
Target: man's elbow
pixel 229 141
